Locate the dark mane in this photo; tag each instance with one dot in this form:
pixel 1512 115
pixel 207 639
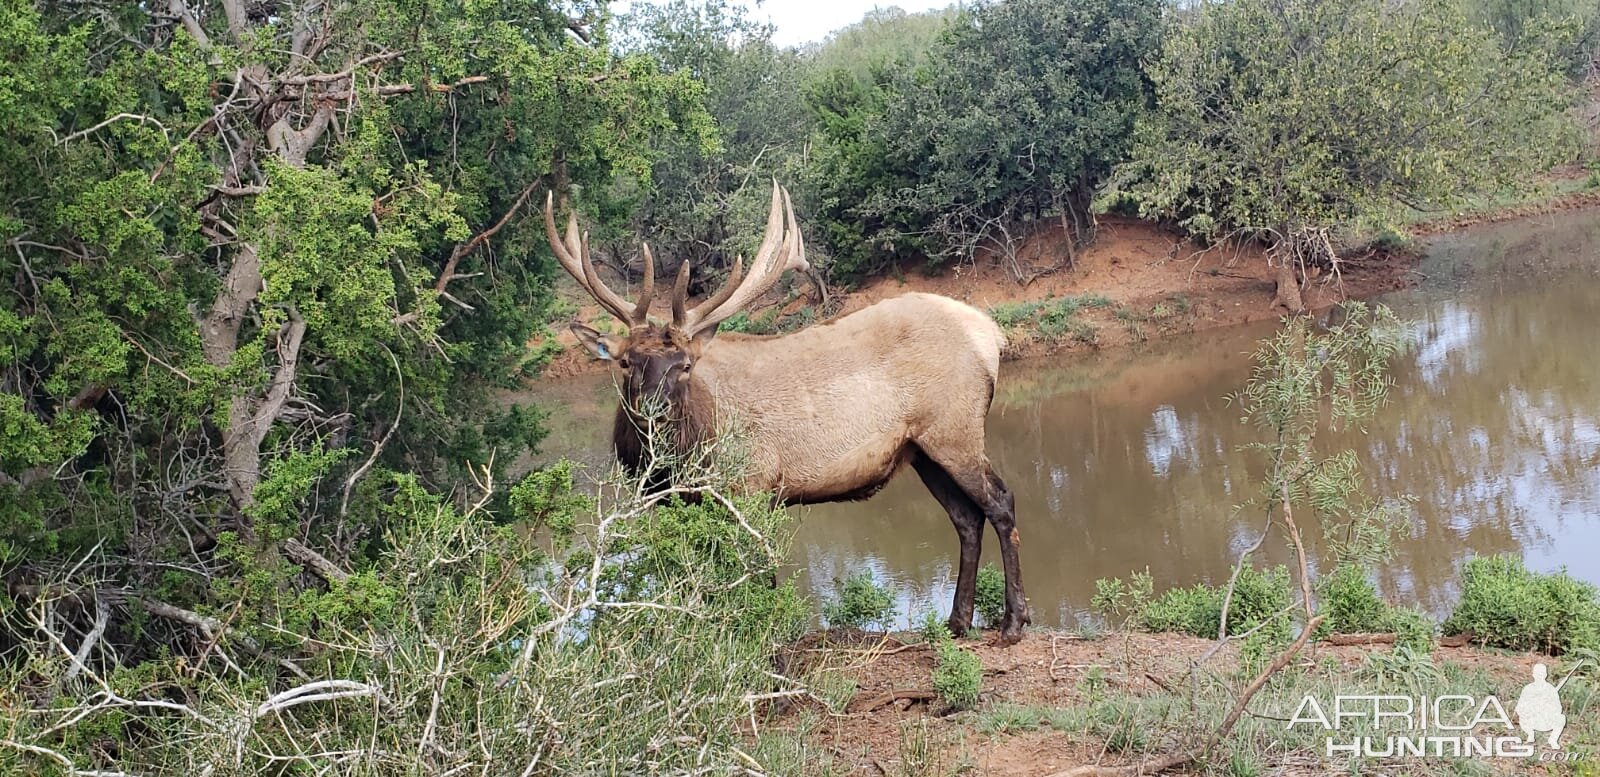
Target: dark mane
pixel 691 423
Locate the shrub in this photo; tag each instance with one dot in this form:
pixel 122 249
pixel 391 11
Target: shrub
pixel 934 630
pixel 1505 605
pixel 957 676
pixel 1412 627
pixel 1011 314
pixel 861 602
pixel 991 595
pixel 1257 596
pixel 1350 601
pixel 451 637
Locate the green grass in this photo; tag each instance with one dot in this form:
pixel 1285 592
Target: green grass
pixel 1052 318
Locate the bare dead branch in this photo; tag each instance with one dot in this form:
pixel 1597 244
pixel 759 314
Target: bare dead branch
pixel 319 564
pixel 141 118
pixel 323 78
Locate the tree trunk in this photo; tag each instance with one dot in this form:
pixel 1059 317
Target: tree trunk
pixel 1288 292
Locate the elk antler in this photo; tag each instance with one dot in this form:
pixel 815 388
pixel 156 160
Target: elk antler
pixel 782 248
pixel 573 254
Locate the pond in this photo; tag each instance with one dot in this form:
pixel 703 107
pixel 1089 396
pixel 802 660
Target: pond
pixel 1130 459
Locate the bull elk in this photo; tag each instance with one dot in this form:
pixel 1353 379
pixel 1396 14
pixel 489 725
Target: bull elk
pixel 832 411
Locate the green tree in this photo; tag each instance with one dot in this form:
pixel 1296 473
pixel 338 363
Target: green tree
pixel 883 35
pixel 1018 112
pixel 706 203
pixel 255 254
pixel 1519 20
pixel 1285 120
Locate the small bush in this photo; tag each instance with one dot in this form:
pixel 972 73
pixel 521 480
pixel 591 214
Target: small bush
pixel 957 676
pixel 1412 627
pixel 1257 596
pixel 861 602
pixel 991 595
pixel 934 630
pixel 1505 605
pixel 1350 602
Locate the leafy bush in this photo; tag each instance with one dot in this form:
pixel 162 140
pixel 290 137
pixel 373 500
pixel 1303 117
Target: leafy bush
pixel 1258 595
pixel 1503 604
pixel 1052 318
pixel 926 157
pixel 1213 155
pixel 934 630
pixel 1351 604
pixel 957 676
pixel 1412 627
pixel 460 628
pixel 991 595
pixel 861 602
pixel 1350 601
pixel 1009 315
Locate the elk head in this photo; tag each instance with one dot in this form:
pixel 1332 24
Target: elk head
pixel 659 360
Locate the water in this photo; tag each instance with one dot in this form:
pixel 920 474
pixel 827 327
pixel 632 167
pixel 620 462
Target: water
pixel 1129 460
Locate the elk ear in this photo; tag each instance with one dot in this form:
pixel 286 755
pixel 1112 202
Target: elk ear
pixel 702 338
pixel 604 346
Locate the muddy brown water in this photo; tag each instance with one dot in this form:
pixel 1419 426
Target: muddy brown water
pixel 1128 460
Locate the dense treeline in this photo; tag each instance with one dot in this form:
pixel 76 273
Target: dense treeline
pixel 266 264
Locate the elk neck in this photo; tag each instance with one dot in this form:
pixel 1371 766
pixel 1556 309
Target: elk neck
pixel 688 420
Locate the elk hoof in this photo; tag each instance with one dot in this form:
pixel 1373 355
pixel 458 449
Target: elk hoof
pixel 1008 636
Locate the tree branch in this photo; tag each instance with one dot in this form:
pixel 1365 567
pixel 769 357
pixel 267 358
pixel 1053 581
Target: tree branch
pixel 180 9
pixel 141 118
pixel 319 564
pixel 463 249
pixel 289 339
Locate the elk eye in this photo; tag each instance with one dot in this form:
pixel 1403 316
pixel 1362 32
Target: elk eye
pixel 623 362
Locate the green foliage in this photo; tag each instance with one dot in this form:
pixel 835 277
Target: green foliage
pixel 1523 23
pixel 1350 601
pixel 1258 596
pixel 1018 110
pixel 884 35
pixel 1123 601
pixel 706 202
pixel 1052 318
pixel 451 635
pixel 1280 118
pixel 1413 628
pixel 1504 604
pixel 957 676
pixel 990 599
pixel 861 602
pixel 934 630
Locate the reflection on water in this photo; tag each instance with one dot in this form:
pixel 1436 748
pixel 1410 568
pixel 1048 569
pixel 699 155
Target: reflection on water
pixel 1130 459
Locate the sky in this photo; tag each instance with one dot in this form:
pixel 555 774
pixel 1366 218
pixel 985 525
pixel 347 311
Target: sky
pixel 802 21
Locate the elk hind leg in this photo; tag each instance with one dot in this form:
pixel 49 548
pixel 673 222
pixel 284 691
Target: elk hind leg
pixel 968 520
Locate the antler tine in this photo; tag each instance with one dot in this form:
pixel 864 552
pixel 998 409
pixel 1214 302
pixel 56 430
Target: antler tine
pixel 641 311
pixel 680 296
pixel 782 249
pixel 572 253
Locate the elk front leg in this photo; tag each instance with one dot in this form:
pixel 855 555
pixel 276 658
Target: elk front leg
pixel 969 527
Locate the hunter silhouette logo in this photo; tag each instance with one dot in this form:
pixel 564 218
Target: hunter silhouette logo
pixel 1539 707
pixel 1448 725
